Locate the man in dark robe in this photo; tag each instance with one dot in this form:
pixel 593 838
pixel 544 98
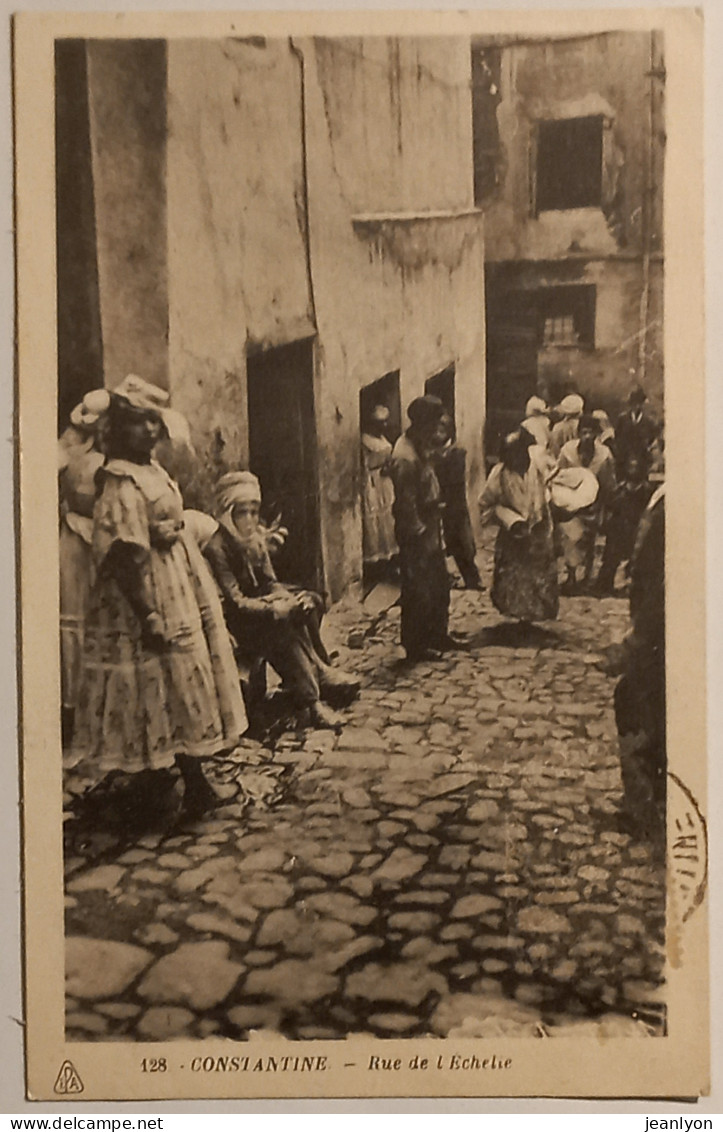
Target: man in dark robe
pixel 640 694
pixel 418 527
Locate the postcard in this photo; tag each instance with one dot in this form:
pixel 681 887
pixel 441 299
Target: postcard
pixel 361 489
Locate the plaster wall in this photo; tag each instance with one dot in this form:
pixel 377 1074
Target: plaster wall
pixel 282 190
pixel 127 110
pixel 619 76
pixel 397 251
pixel 236 237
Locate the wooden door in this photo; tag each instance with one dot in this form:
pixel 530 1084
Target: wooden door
pixel 512 341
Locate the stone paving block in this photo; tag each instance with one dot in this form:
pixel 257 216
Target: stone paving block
pixel 346 953
pixel 360 739
pixel 361 886
pixel 105 877
pixel 119 1011
pixel 163 1022
pixel 474 905
pixel 341 906
pixel 259 958
pixel 394 1023
pixel 172 861
pixel 199 975
pixel 413 921
pixel 255 1016
pixel 262 894
pixel 542 920
pixel 156 933
pixel 218 925
pixel 559 896
pixel 300 933
pixel 357 759
pixel 400 865
pixel 101 968
pixel 87 1021
pixel 291 982
pixel 471 1015
pixel 404 983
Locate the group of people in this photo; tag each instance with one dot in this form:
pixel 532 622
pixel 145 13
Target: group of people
pixel 380 546
pixel 618 462
pixel 168 616
pixel 163 610
pixel 556 487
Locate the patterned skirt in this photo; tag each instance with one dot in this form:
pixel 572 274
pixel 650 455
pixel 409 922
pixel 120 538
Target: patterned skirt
pixel 525 585
pixel 380 543
pixel 138 709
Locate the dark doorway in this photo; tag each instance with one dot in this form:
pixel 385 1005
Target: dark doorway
pixel 80 350
pixel 442 385
pixel 385 392
pixel 512 338
pixel 282 453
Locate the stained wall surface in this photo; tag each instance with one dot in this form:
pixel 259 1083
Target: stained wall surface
pixel 236 237
pixel 127 99
pixel 251 194
pixel 615 246
pixel 397 249
pixel 619 76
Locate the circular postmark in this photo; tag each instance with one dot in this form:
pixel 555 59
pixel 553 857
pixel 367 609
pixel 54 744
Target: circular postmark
pixel 687 848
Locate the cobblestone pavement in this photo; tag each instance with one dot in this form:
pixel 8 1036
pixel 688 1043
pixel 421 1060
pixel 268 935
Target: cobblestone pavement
pixel 450 864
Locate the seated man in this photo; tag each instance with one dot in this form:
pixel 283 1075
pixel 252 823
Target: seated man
pixel 266 618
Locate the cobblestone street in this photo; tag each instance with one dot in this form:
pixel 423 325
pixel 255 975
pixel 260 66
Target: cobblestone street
pixel 449 865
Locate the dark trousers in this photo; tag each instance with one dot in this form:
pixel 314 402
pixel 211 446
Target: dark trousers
pixel 289 650
pixel 619 543
pixel 424 599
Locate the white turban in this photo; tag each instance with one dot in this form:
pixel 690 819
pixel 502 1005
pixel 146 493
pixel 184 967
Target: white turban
pixel 572 405
pixel 536 407
pixel 90 410
pixel 237 487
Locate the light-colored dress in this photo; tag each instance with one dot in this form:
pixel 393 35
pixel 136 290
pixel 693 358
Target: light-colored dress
pixel 137 708
pixel 79 461
pixel 562 432
pixel 380 543
pixel 577 536
pixel 524 584
pixel 539 427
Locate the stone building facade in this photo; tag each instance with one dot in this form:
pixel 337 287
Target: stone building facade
pixel 569 160
pixel 279 231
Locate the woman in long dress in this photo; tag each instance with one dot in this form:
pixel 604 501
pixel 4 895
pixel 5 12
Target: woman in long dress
pixel 515 496
pixel 380 544
pixel 566 429
pixel 578 535
pixel 537 421
pixel 159 686
pixel 79 458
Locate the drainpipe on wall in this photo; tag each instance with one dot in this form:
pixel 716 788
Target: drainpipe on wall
pixel 647 223
pixel 298 53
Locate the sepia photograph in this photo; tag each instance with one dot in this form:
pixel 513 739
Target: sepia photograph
pixel 360 575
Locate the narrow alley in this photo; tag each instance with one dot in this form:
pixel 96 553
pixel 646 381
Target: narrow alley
pixel 451 864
